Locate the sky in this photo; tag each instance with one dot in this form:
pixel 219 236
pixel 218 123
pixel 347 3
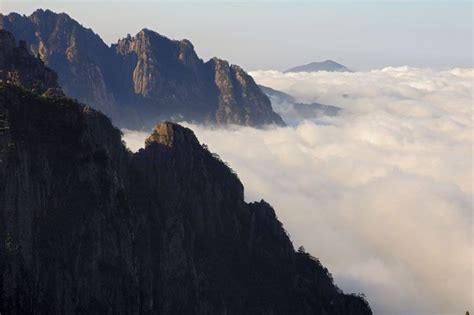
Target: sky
pixel 264 35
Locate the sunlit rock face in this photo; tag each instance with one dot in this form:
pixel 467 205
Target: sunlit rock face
pixel 86 226
pixel 240 99
pixel 143 79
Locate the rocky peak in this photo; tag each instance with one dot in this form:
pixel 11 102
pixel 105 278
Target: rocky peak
pixel 171 135
pixel 219 63
pixel 242 77
pixel 162 69
pixel 40 13
pixel 222 78
pixel 145 42
pixel 186 43
pixel 19 68
pixel 240 99
pixel 144 35
pixel 147 76
pixel 59 23
pixel 145 32
pixel 187 54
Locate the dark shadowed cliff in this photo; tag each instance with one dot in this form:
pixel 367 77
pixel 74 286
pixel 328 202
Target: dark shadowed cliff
pixel 143 78
pixel 19 68
pixel 88 227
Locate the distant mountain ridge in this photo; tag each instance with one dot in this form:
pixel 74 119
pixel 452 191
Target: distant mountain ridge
pixel 142 79
pixel 294 111
pixel 327 65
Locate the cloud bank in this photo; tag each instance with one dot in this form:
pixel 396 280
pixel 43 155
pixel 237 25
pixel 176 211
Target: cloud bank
pixel 381 193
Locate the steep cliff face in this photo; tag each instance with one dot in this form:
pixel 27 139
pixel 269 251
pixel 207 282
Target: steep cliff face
pixel 66 245
pixel 87 226
pixel 168 76
pixel 164 67
pixel 240 99
pixel 144 78
pixel 18 67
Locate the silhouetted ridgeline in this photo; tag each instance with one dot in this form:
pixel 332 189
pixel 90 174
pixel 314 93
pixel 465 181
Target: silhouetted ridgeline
pixel 327 65
pixel 144 78
pixel 86 226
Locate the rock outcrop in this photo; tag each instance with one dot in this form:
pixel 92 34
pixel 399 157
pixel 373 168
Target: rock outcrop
pixel 144 78
pixel 240 99
pixel 18 67
pixel 80 57
pixel 86 226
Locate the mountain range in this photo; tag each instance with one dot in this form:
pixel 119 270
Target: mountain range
pixel 144 78
pixel 327 65
pixel 88 227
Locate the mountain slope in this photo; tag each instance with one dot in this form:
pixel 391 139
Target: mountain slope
pixel 327 65
pixel 293 111
pixel 82 60
pixel 18 67
pixel 86 226
pixel 144 78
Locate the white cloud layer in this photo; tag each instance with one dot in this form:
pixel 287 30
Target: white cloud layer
pixel 382 193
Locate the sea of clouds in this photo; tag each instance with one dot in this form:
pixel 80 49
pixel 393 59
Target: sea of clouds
pixel 381 193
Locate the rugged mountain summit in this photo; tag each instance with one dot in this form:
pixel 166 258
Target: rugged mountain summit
pixel 162 67
pixel 86 226
pixel 18 67
pixel 144 78
pixel 79 56
pixel 240 99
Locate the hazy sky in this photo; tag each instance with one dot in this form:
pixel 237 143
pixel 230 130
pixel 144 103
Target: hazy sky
pixel 281 34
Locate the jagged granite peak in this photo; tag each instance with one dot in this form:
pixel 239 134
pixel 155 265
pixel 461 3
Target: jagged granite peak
pixel 84 63
pixel 141 79
pixel 240 99
pixel 18 67
pixel 327 65
pixel 86 226
pixel 171 135
pixel 165 68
